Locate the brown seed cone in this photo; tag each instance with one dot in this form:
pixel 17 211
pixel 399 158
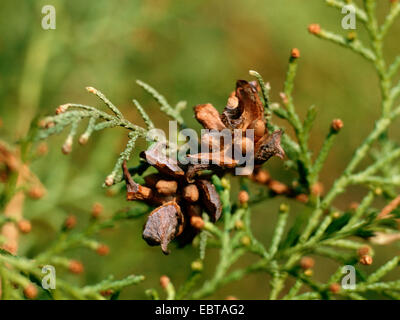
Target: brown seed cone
pixel 278 187
pixel 36 192
pixel 314 28
pixel 366 260
pixel 24 226
pixel 42 149
pixel 337 124
pixel 307 263
pixel 295 53
pixel 109 181
pixel 261 176
pixel 243 197
pixel 106 293
pixel 31 291
pixel 75 266
pixel 70 222
pixel 302 197
pixel 317 189
pixel 164 281
pixel 97 209
pixel 353 205
pixel 365 250
pixel 103 250
pixel 334 288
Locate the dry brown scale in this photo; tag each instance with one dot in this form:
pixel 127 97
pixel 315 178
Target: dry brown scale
pixel 176 198
pixel 180 192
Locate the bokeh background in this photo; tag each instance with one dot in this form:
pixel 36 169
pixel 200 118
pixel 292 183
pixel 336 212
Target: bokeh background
pixel 189 50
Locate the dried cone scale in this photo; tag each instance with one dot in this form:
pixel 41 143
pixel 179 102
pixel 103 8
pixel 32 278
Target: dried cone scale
pixel 178 193
pixel 244 110
pixel 163 225
pixel 176 200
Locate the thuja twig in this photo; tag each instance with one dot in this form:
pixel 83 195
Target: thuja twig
pixel 72 114
pixel 23 269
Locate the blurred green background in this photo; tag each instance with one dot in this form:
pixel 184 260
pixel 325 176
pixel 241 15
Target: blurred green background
pixel 189 50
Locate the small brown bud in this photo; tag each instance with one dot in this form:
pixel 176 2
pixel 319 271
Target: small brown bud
pixel 70 222
pixel 103 250
pixel 164 282
pixel 302 197
pixel 191 193
pixel 317 189
pixel 334 288
pixel 42 149
pixel 243 197
pixel 31 291
pixel 97 209
pixel 166 187
pixel 50 124
pixel 307 263
pixel 42 123
pixel 67 147
pixel 278 187
pixel 353 205
pixel 106 293
pixel 197 222
pixel 366 260
pixel 36 192
pixel 295 54
pixel 91 90
pixel 11 247
pixel 314 28
pixel 337 124
pixel 62 108
pixel 109 180
pixel 262 176
pixel 83 139
pixel 24 226
pixel 75 267
pixel 365 250
pixel 231 298
pixel 46 124
pixel 284 98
